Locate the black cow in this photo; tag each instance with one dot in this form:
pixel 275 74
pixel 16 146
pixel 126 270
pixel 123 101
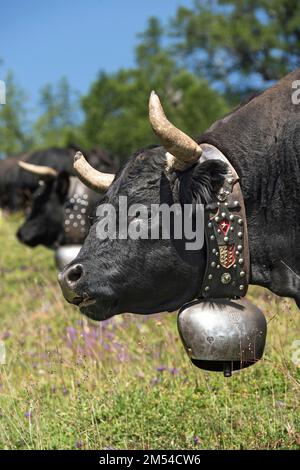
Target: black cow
pixel 261 139
pixel 17 185
pixel 12 197
pixel 61 206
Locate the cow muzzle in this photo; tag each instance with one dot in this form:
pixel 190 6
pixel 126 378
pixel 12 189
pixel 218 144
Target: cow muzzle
pixel 69 280
pixel 24 237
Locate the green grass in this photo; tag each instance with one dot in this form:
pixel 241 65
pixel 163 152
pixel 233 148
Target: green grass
pixel 127 383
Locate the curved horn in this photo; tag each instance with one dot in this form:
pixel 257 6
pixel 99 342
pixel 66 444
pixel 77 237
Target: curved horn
pixel 42 171
pixel 92 178
pixel 182 150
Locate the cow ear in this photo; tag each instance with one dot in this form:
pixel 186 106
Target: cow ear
pixel 202 182
pixel 62 184
pixel 212 173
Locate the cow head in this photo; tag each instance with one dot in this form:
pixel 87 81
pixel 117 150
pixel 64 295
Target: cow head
pixel 114 275
pixel 44 222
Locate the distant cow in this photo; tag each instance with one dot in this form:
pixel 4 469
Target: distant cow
pixel 61 206
pixel 17 185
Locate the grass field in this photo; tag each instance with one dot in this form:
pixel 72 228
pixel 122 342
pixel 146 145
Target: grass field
pixel 127 383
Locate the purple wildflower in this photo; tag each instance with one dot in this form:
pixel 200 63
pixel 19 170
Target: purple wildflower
pixel 5 335
pixel 78 444
pixel 28 414
pixel 197 440
pixel 161 368
pixel 72 333
pixel 155 381
pixel 109 335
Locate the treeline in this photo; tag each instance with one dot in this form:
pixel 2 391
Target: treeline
pixel 204 62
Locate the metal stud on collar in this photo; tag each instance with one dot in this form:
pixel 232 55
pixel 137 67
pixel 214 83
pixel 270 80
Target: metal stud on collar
pixel 75 217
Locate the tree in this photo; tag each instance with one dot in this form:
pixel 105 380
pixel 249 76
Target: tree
pixel 14 137
pixel 57 123
pixel 116 107
pixel 239 45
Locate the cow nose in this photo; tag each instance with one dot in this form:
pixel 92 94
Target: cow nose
pixel 69 279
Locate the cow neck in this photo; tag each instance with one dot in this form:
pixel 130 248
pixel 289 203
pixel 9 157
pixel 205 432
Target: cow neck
pixel 75 222
pixel 226 236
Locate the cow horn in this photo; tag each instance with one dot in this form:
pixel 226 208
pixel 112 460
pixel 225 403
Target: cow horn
pixel 182 151
pixel 92 178
pixel 42 171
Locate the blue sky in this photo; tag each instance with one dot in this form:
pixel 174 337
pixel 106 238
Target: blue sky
pixel 41 41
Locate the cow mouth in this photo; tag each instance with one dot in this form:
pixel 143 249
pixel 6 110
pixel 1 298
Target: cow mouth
pixel 86 303
pixel 95 310
pixel 82 302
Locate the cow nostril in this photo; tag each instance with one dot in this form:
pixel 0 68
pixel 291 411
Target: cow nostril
pixel 75 273
pixel 68 280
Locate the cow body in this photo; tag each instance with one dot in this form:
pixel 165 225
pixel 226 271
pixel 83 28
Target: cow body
pixel 261 139
pixel 8 179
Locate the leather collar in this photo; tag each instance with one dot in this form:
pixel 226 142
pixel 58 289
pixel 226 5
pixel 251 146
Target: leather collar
pixel 76 212
pixel 226 236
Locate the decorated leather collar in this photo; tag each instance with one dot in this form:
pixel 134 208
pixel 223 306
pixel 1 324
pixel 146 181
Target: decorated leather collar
pixel 76 212
pixel 226 236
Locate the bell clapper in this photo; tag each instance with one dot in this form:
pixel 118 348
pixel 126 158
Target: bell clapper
pixel 227 369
